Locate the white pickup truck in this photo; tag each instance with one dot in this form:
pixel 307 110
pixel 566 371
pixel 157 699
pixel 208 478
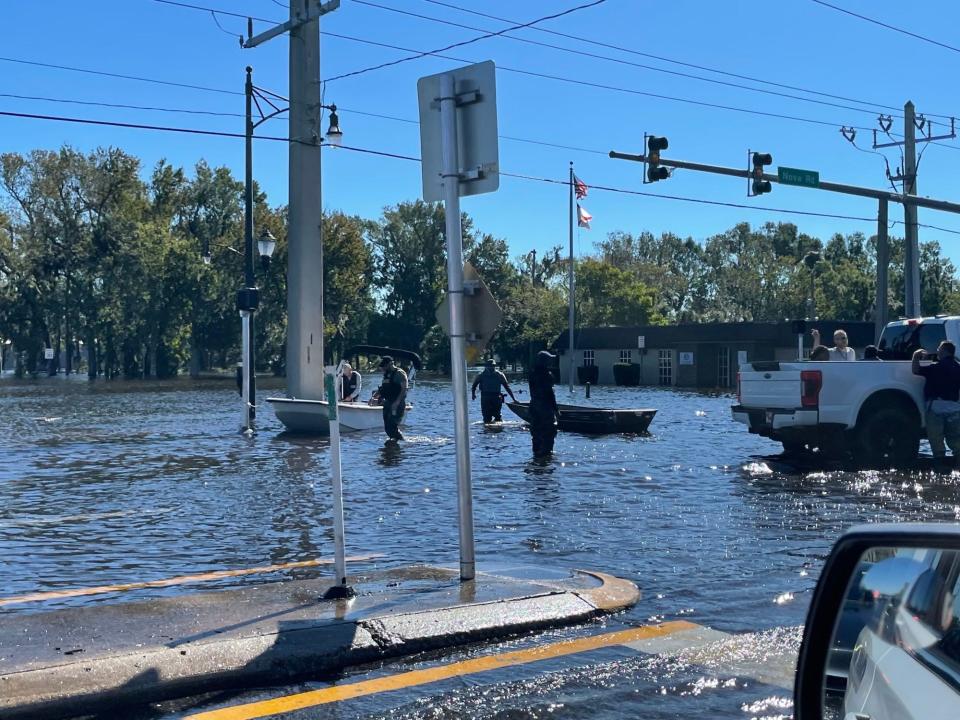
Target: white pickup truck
pixel 870 408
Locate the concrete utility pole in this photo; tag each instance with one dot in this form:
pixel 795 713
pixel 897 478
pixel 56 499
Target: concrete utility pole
pixel 883 266
pixel 572 362
pixel 911 241
pixel 304 239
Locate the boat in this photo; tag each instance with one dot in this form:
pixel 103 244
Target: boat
pixel 312 417
pixel 593 420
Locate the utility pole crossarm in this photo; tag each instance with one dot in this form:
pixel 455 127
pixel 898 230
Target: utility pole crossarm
pixel 913 200
pixel 314 11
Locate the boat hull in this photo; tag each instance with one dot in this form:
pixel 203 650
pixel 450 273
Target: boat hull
pixel 312 416
pixel 594 421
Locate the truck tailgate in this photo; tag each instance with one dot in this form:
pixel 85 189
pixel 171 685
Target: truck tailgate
pixel 769 385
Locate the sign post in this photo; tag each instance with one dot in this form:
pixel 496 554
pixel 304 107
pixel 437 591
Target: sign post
pixel 466 162
pixel 340 590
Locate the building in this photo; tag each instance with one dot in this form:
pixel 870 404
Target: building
pixel 704 355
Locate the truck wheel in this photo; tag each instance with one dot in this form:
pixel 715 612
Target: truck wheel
pixel 888 435
pixel 794 447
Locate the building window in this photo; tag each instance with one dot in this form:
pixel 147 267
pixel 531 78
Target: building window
pixel 666 367
pixel 723 367
pixel 626 356
pixel 588 360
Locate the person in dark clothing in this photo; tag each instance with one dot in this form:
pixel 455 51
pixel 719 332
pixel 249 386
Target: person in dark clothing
pixel 941 394
pixel 544 412
pixel 491 400
pixel 393 394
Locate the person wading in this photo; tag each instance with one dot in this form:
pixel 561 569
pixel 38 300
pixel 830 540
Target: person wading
pixel 941 394
pixel 544 412
pixel 393 394
pixel 491 400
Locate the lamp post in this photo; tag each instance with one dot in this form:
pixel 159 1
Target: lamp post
pixel 248 297
pixel 810 260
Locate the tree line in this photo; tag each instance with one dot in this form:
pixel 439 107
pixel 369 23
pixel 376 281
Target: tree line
pixel 103 262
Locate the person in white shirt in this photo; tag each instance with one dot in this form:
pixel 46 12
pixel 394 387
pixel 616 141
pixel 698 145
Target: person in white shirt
pixel 350 386
pixel 842 349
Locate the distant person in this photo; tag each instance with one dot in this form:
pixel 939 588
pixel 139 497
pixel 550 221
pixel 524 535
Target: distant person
pixel 393 394
pixel 941 394
pixel 491 399
pixel 350 384
pixel 870 353
pixel 820 353
pixel 544 412
pixel 841 349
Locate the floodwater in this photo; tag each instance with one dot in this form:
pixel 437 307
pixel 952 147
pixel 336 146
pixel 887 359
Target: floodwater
pixel 122 482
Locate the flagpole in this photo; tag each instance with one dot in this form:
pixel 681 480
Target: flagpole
pixel 570 342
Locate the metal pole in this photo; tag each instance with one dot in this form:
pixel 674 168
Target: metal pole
pixel 911 244
pixel 245 325
pixel 249 371
pixel 842 188
pixel 339 560
pixel 458 362
pixel 813 293
pixel 305 356
pixel 883 265
pixel 570 339
pixel 799 346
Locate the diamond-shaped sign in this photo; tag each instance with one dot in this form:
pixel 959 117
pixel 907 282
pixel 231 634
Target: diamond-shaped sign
pixel 481 313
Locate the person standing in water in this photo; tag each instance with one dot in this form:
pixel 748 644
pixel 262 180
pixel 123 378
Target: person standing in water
pixel 393 395
pixel 491 401
pixel 544 412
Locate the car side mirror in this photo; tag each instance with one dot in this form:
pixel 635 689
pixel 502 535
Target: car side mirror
pixel 882 638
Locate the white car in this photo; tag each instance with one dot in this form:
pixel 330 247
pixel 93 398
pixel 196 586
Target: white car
pixel 907 666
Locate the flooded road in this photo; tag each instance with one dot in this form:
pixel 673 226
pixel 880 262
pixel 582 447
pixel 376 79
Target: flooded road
pixel 116 483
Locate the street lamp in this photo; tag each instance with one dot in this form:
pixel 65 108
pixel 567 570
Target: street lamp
pixel 810 260
pixel 266 244
pixel 334 134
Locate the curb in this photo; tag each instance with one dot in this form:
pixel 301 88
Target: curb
pixel 164 672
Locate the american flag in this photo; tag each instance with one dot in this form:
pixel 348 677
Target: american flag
pixel 579 187
pixel 583 217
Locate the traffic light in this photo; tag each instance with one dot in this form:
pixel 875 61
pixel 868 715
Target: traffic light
pixel 655 171
pixel 757 184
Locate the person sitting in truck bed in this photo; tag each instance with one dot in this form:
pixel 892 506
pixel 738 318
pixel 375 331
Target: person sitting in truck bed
pixel 941 394
pixel 820 353
pixel 842 349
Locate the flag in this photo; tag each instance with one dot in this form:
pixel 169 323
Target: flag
pixel 579 187
pixel 583 217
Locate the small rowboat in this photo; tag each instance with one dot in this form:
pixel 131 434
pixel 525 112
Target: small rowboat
pixel 594 421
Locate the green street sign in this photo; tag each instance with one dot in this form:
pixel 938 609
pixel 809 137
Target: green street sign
pixel 793 176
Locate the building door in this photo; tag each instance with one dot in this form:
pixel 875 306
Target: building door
pixel 665 363
pixel 723 367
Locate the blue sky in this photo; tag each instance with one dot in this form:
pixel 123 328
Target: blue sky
pixel 793 42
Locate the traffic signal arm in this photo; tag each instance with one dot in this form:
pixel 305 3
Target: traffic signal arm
pixel 829 186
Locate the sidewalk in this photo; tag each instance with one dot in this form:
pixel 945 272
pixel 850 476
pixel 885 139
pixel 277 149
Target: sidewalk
pixel 104 656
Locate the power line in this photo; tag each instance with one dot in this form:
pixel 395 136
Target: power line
pixel 485 36
pixel 121 76
pixel 531 73
pixel 602 86
pixel 924 38
pixel 672 61
pixel 411 158
pixel 348 110
pixel 628 63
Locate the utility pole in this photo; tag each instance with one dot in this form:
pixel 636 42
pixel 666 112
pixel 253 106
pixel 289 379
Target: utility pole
pixel 572 290
pixel 305 357
pixel 883 265
pixel 911 241
pixel 908 175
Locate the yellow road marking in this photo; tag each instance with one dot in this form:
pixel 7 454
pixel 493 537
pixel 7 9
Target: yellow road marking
pixel 299 701
pixel 167 582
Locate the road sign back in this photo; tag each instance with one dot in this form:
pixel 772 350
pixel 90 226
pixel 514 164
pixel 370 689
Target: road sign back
pixel 478 149
pixel 481 313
